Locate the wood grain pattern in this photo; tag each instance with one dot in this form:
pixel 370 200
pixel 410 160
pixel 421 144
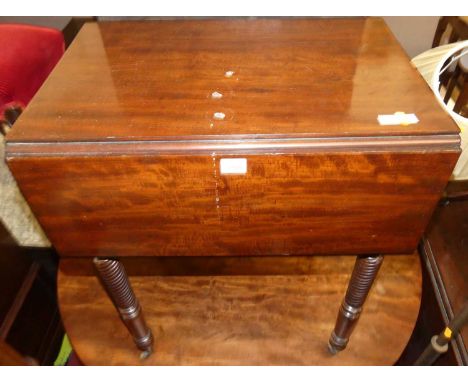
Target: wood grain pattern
pixel 324 203
pixel 292 78
pixel 241 311
pixel 123 129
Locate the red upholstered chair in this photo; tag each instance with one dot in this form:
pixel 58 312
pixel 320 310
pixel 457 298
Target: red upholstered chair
pixel 29 53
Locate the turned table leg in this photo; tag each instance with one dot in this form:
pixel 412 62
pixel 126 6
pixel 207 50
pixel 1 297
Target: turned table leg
pixel 364 272
pixel 115 280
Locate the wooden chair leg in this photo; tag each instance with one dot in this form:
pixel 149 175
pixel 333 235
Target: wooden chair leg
pixel 462 100
pixel 441 27
pixel 114 278
pixel 364 272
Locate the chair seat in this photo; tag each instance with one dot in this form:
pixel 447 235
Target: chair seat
pixel 29 53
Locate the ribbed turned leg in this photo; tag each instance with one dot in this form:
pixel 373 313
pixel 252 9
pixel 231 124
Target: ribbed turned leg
pixel 114 278
pixel 364 272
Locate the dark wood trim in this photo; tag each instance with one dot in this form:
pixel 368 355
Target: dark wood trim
pixel 19 300
pixel 429 322
pixel 443 300
pixel 234 146
pixel 29 318
pixel 456 190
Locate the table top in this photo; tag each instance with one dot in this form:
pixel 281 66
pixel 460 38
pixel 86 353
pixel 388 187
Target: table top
pixel 277 77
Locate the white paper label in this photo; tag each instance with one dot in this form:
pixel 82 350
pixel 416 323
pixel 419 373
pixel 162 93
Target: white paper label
pixel 233 166
pixel 398 118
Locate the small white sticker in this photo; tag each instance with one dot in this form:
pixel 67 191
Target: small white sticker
pixel 399 118
pixel 216 95
pixel 233 166
pixel 219 116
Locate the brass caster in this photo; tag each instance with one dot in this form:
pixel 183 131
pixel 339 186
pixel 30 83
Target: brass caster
pixel 145 354
pixel 332 349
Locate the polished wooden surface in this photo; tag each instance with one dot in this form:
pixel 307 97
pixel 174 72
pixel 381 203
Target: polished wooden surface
pixel 322 203
pixel 292 77
pixel 368 189
pixel 119 147
pixel 241 311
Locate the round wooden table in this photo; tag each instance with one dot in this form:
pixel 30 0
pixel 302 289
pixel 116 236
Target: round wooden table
pixel 241 311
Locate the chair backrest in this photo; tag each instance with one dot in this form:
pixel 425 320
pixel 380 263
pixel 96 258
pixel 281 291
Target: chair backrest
pixel 454 81
pixel 450 29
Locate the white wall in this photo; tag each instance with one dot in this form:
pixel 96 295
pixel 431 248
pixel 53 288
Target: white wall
pixel 415 33
pixel 58 22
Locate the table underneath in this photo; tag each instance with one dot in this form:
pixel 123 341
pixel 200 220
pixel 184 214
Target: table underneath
pixel 241 311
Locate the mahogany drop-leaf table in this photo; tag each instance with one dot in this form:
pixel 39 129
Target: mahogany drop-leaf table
pixel 233 137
